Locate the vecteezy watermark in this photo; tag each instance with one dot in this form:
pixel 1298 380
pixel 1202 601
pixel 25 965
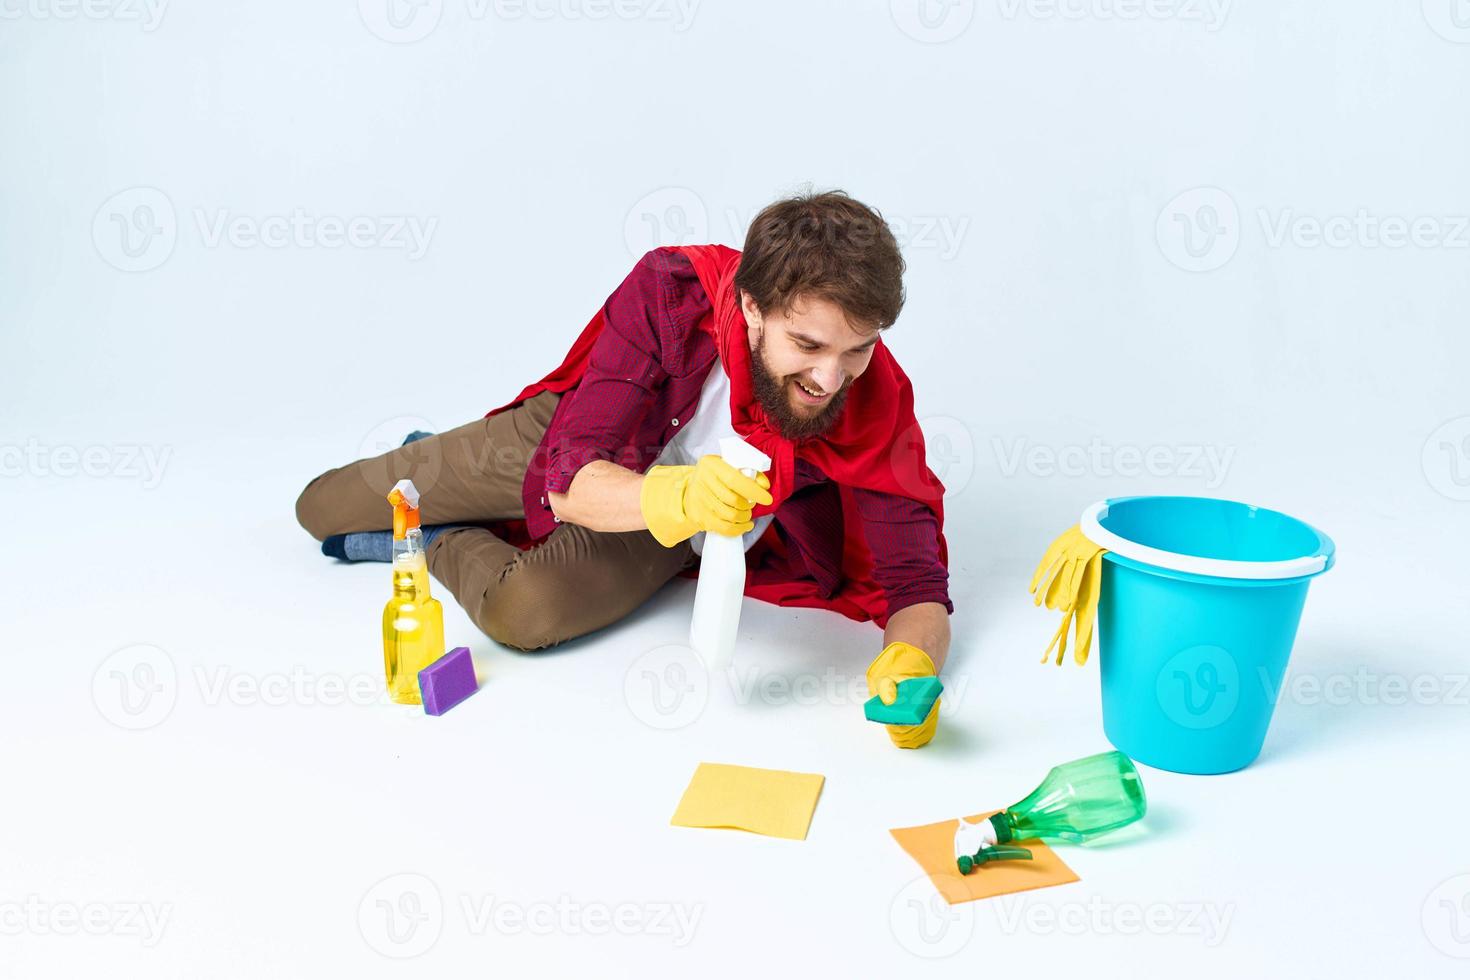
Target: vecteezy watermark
pixel 1450 19
pixel 949 453
pixel 424 457
pixel 147 14
pixel 679 216
pixel 35 916
pixel 392 232
pixel 941 234
pixel 1189 461
pixel 669 687
pixel 1446 458
pixel 1209 922
pixel 407 21
pixel 403 916
pixel 1199 687
pixel 137 229
pixel 139 686
pixel 1368 688
pixel 1363 229
pixel 1209 13
pixel 666 216
pixel 400 21
pixel 122 461
pixel 932 21
pixel 136 687
pixel 294 687
pixel 928 926
pixel 1445 917
pixel 566 916
pixel 1199 229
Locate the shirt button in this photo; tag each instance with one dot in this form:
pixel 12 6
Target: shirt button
pixel 543 501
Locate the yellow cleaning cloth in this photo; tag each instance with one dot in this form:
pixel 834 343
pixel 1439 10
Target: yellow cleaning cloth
pixel 763 801
pixel 932 845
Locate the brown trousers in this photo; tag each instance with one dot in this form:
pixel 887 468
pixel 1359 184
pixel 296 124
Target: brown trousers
pixel 574 582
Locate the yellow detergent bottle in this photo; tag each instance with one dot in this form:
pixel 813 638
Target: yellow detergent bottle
pixel 413 620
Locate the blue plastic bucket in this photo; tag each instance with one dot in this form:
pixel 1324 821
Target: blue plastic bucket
pixel 1199 606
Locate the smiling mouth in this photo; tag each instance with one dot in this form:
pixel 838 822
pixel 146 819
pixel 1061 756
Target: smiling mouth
pixel 808 395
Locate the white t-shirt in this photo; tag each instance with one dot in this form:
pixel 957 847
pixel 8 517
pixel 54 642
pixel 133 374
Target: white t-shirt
pixel 701 435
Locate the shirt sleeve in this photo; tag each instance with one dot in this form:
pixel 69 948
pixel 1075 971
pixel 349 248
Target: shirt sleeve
pixel 624 370
pixel 903 535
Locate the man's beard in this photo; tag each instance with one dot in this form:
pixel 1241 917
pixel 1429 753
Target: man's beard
pixel 775 397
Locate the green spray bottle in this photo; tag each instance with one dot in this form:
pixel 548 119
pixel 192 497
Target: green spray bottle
pixel 1076 802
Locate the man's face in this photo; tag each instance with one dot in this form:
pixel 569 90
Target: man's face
pixel 803 362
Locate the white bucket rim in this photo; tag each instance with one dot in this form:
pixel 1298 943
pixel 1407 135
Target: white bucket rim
pixel 1092 529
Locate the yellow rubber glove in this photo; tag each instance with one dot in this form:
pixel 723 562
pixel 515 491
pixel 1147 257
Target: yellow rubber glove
pixel 680 501
pixel 900 661
pixel 1069 580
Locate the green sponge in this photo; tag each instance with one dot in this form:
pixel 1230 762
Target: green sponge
pixel 915 697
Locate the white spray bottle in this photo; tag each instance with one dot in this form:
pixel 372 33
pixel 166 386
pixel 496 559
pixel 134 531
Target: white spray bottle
pixel 721 584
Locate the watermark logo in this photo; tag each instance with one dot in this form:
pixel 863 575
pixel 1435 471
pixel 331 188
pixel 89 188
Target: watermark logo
pixel 121 461
pixel 1446 459
pixel 1364 229
pixel 674 921
pixel 1199 230
pixel 1446 917
pixel 667 216
pixel 136 687
pixel 928 926
pixel 1368 688
pixel 401 916
pixel 1210 13
pixel 147 14
pixel 144 921
pixel 408 233
pixel 1209 464
pixel 1450 19
pixel 932 21
pixel 667 687
pixel 1206 921
pixel 400 21
pixel 135 230
pixel 1199 687
pixel 948 449
pixel 423 458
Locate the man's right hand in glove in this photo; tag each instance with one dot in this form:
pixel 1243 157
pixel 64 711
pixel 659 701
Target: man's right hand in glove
pixel 680 501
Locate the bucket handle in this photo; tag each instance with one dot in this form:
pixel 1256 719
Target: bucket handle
pixel 1093 530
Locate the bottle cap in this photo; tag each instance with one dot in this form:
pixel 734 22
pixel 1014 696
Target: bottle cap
pixel 405 500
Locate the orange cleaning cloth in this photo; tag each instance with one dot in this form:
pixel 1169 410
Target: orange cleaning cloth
pixel 932 845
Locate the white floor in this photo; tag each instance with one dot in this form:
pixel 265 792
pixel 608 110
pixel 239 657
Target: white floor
pixel 1190 250
pixel 251 807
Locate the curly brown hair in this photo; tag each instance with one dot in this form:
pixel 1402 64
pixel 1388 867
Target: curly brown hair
pixel 826 245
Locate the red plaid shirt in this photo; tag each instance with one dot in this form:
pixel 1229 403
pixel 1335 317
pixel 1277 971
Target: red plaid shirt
pixel 644 379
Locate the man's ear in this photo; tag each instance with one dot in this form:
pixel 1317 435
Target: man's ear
pixel 754 324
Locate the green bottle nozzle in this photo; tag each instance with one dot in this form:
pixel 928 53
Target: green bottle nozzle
pixel 995 852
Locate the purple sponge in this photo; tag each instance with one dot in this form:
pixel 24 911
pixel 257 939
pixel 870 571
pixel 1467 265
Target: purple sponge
pixel 447 681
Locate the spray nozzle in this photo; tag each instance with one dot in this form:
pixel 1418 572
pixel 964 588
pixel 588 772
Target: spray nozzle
pixel 405 500
pixel 995 852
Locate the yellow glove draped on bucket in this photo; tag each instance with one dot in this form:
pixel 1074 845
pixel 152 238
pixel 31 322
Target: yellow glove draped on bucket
pixel 901 661
pixel 1069 580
